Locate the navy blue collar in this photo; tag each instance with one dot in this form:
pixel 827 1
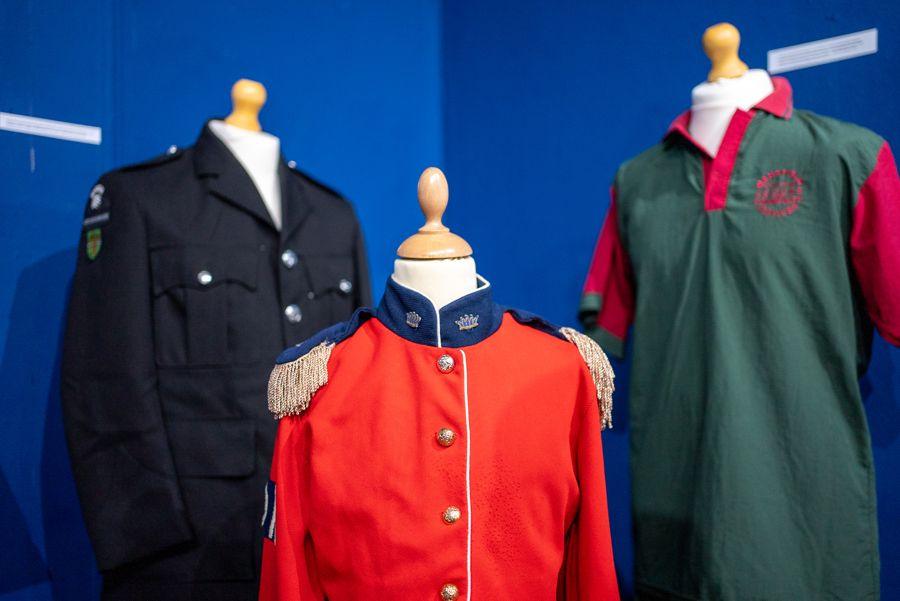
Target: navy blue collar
pixel 467 320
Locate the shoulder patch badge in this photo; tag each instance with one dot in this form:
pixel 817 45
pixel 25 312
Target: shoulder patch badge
pixel 93 242
pixel 97 196
pixel 601 372
pixel 97 212
pixel 95 220
pixel 268 519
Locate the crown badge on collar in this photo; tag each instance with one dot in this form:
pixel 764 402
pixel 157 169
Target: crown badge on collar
pixel 413 319
pixel 467 322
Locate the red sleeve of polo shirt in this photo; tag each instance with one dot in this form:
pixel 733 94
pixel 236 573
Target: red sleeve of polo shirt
pixel 607 305
pixel 875 245
pixel 287 575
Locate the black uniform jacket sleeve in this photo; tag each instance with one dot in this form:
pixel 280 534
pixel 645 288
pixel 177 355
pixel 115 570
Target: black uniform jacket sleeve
pixel 114 426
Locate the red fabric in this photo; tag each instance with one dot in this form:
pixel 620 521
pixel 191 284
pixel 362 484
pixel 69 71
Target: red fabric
pixel 779 103
pixel 361 482
pixel 610 277
pixel 717 171
pixel 875 245
pixel 680 126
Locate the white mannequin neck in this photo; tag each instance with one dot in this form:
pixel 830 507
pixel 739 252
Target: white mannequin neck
pixel 441 281
pixel 714 103
pixel 259 153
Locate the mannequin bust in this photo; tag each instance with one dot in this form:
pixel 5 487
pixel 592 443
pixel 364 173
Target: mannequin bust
pixel 441 281
pixel 435 262
pixel 730 86
pixel 257 151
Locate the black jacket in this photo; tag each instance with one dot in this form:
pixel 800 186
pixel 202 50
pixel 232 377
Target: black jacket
pixel 177 313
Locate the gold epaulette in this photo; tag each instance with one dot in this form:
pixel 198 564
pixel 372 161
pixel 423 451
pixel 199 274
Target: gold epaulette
pixel 292 385
pixel 601 371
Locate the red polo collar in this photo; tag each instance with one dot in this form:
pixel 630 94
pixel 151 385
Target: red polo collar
pixel 779 103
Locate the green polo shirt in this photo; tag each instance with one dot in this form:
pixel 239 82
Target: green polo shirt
pixel 750 283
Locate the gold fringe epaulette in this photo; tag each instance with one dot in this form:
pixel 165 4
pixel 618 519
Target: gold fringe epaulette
pixel 601 371
pixel 292 385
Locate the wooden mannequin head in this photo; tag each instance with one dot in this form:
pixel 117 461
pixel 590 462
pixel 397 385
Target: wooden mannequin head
pixel 433 240
pixel 247 99
pixel 721 42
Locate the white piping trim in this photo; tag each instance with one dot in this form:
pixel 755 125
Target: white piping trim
pixel 468 480
pixel 274 513
pixel 437 319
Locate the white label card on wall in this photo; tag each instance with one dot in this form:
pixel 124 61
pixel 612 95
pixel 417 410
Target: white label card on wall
pixel 23 124
pixel 820 52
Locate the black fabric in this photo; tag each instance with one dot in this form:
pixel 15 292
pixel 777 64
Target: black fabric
pixel 165 368
pixel 130 589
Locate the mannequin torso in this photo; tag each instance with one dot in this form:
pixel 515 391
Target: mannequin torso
pixel 259 153
pixel 440 281
pixel 714 103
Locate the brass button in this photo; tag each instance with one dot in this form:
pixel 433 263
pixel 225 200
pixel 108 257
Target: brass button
pixel 452 514
pixel 445 437
pixel 445 364
pixel 449 592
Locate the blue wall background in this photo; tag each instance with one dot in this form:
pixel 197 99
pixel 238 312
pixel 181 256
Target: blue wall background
pixel 529 106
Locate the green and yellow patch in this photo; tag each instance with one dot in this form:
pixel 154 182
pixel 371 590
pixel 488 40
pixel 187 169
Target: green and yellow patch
pixel 93 243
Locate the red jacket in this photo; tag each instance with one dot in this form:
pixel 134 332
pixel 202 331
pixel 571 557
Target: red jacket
pixel 439 455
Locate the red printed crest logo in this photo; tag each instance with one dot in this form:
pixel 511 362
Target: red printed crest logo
pixel 778 193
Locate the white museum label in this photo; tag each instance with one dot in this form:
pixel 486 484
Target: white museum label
pixel 75 132
pixel 820 52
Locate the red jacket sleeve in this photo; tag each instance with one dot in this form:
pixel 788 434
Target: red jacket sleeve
pixel 875 245
pixel 288 571
pixel 607 304
pixel 589 573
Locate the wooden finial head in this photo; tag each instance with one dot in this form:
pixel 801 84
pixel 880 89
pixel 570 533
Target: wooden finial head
pixel 247 99
pixel 721 42
pixel 434 240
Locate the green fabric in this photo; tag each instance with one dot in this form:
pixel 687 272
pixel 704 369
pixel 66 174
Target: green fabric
pixel 587 314
pixel 751 461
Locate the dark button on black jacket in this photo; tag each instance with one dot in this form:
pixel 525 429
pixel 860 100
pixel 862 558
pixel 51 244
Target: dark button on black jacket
pixel 173 327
